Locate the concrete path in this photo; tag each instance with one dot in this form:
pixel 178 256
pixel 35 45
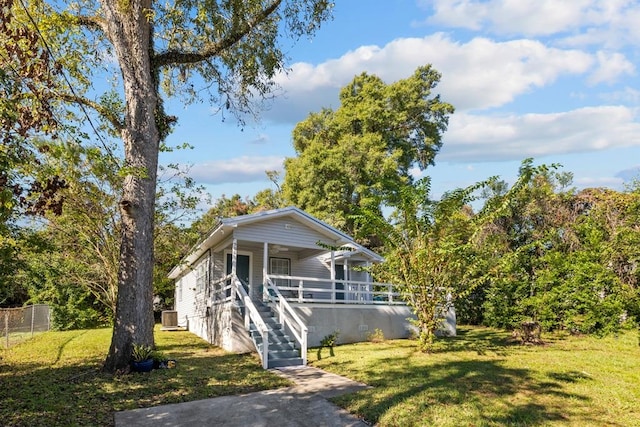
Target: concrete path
pixel 304 404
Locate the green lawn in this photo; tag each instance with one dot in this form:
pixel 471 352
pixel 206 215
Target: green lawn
pixel 482 378
pixel 54 379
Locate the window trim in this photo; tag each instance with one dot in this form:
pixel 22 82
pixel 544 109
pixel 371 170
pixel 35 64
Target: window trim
pixel 280 282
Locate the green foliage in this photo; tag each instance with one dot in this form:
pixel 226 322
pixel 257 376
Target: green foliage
pixel 330 340
pixel 561 258
pixel 232 48
pixel 429 253
pixel 359 156
pixel 376 336
pixel 159 356
pixel 140 352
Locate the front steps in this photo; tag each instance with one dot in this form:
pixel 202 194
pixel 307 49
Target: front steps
pixel 282 350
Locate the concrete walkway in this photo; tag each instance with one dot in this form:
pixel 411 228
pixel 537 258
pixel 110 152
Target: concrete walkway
pixel 304 404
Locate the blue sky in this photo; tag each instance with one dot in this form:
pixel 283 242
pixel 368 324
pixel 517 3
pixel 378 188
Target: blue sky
pixel 556 80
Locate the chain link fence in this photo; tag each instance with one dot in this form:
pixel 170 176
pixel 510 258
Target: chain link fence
pixel 19 324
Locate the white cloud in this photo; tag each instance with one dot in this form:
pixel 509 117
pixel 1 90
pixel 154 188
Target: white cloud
pixel 237 170
pixel 629 174
pixel 261 139
pixel 611 66
pixel 476 75
pixel 596 182
pixel 473 138
pixel 610 23
pixel 628 95
pixel 528 17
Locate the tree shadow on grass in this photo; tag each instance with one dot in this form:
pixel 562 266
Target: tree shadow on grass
pixel 482 390
pixel 481 341
pixel 61 394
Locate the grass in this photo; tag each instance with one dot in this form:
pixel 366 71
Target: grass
pixel 16 338
pixel 55 379
pixel 483 378
pixel 480 378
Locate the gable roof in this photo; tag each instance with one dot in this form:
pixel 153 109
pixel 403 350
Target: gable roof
pixel 226 225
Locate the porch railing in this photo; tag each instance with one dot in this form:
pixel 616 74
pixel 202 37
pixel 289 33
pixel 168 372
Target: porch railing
pixel 311 289
pixel 251 314
pixel 287 316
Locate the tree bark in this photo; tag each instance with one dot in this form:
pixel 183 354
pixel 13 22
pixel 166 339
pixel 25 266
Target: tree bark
pixel 130 33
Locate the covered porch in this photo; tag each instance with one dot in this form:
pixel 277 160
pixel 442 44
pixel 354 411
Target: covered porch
pixel 277 282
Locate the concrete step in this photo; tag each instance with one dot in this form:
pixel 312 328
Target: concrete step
pixel 280 363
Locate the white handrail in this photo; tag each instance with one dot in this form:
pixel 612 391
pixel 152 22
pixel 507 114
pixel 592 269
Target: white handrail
pixel 251 313
pixel 390 297
pixel 221 293
pixel 283 309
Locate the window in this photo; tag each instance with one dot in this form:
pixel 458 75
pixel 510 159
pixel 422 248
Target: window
pixel 280 266
pixel 201 275
pixel 179 290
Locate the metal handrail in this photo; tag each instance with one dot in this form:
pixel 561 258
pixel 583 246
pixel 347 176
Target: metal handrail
pixel 283 309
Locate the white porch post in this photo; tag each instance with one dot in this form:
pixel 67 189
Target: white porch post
pixel 234 256
pixel 333 277
pixel 368 295
pixel 265 271
pixel 346 285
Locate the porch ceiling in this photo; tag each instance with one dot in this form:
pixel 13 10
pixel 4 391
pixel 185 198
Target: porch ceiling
pixel 275 250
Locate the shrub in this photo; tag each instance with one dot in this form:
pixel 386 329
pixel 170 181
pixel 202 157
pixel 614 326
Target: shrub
pixel 330 340
pixel 376 336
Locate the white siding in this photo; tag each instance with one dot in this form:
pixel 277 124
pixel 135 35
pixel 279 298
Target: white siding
pixel 185 306
pixel 191 307
pixel 283 231
pixel 311 267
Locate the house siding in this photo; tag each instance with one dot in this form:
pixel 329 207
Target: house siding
pixel 191 300
pixel 282 231
pixel 212 317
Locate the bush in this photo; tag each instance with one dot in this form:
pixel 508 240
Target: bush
pixel 330 340
pixel 376 336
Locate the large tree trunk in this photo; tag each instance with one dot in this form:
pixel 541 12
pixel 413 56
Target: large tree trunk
pixel 130 33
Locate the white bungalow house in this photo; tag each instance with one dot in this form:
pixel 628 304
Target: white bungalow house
pixel 280 281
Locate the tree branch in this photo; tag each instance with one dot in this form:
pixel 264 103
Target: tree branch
pixel 93 22
pixel 110 116
pixel 172 57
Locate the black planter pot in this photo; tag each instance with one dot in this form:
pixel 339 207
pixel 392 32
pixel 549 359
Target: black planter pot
pixel 144 366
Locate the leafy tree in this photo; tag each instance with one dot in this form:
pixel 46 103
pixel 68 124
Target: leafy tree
pixel 562 258
pixel 429 252
pixel 514 241
pixel 233 45
pixel 83 243
pixel 360 155
pixel 439 252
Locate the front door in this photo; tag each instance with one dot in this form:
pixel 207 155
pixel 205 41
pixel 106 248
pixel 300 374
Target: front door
pixel 339 286
pixel 242 268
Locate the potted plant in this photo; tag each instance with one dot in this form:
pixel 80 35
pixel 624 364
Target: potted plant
pixel 142 358
pixel 159 360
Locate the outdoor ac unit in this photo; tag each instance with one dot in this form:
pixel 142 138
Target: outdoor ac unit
pixel 169 319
